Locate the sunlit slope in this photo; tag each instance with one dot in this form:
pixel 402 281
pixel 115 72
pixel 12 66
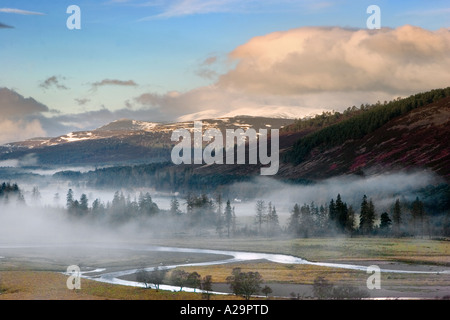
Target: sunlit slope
pixel 122 142
pixel 412 133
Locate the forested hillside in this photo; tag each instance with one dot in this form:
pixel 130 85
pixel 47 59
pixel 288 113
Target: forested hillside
pixel 357 123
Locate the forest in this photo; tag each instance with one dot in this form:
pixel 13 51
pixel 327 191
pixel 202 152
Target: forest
pixel 215 215
pixel 161 176
pixel 336 128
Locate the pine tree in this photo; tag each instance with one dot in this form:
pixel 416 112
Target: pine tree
pixel 294 220
pixel 98 208
pixel 36 195
pixel 306 222
pixel 83 208
pixel 332 210
pixel 267 216
pixel 397 216
pixel 233 223
pixel 69 201
pixel 274 224
pixel 371 216
pixel 341 213
pixel 366 216
pixel 20 199
pixel 385 221
pixel 350 222
pixel 418 216
pixel 175 207
pixel 260 208
pixel 219 215
pixel 324 219
pixel 228 217
pixel 145 204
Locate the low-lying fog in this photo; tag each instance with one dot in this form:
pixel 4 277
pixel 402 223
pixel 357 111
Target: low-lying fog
pixel 43 218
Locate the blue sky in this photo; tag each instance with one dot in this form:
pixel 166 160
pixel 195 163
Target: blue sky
pixel 129 48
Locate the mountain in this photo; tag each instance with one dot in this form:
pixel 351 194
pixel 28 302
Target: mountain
pixel 404 134
pixel 401 135
pixel 122 142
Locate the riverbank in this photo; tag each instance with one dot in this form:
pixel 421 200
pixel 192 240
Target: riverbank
pixel 287 275
pixel 44 285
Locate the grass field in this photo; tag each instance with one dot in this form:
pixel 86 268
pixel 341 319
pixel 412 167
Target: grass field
pixel 425 251
pixel 29 275
pixel 43 285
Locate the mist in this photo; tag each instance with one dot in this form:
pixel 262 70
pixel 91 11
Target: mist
pixel 44 218
pixel 382 188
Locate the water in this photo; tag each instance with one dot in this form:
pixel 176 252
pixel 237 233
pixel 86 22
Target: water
pixel 235 256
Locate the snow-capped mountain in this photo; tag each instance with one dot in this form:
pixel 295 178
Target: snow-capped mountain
pixel 123 140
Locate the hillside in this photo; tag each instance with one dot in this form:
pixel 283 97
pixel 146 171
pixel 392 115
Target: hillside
pixel 411 133
pixel 122 142
pixel 405 134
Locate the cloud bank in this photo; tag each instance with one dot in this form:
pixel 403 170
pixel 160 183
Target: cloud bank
pixel 316 68
pixel 305 60
pixel 17 117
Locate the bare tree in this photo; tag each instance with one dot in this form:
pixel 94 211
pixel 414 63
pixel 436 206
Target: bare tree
pixel 179 278
pixel 206 286
pixel 260 216
pixel 194 280
pixel 143 276
pixel 157 277
pixel 245 284
pixel 266 290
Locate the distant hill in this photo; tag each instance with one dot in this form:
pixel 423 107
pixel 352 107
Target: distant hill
pixel 401 135
pixel 122 142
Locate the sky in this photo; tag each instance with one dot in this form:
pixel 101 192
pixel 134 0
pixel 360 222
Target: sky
pixel 190 59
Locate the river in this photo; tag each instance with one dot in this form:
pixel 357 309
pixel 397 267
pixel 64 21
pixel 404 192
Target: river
pixel 116 277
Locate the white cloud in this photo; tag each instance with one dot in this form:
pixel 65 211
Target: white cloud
pixel 179 8
pixel 20 130
pixel 305 60
pixel 304 71
pixel 20 11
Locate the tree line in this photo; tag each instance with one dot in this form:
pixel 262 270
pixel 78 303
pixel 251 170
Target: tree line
pixel 245 284
pixel 204 214
pixel 11 190
pixel 404 219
